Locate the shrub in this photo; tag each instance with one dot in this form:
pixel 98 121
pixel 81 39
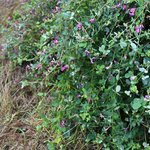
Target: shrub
pixel 94 56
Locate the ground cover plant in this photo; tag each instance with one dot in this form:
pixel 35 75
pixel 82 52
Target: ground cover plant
pixel 92 58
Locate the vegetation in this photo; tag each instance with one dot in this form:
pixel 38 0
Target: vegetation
pixel 91 60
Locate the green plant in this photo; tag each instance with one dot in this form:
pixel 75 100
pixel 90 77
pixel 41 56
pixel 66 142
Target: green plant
pixel 94 58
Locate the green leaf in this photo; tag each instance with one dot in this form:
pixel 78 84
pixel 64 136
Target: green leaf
pixel 50 146
pixel 141 2
pixel 72 15
pixel 127 92
pixel 123 44
pixel 118 88
pixel 83 45
pixel 41 94
pixel 57 140
pixel 84 115
pixel 133 45
pixel 143 70
pixel 103 50
pixel 134 89
pixel 24 83
pixel 129 74
pixel 136 104
pixel 66 15
pixel 56 103
pixel 100 69
pixel 38 127
pixel 19 60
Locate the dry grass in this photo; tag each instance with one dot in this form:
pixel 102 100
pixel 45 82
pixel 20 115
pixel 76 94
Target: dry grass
pixel 5 84
pixel 18 115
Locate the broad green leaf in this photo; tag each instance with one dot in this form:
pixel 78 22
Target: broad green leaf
pixel 118 88
pixel 136 104
pixel 24 83
pixel 123 44
pixel 133 45
pixel 102 48
pixel 134 89
pixel 41 94
pixel 127 92
pixel 50 146
pixel 143 70
pixel 83 45
pixel 129 74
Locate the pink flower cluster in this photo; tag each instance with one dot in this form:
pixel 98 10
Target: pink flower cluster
pixel 92 20
pixel 132 11
pixel 124 7
pixel 139 28
pixel 39 66
pixel 55 41
pixel 87 53
pixel 63 123
pixel 64 68
pixel 57 9
pixel 79 24
pixel 9 18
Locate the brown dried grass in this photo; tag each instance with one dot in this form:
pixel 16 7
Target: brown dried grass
pixel 18 115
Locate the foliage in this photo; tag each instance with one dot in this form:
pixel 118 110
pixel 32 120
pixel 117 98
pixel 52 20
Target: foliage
pixel 94 58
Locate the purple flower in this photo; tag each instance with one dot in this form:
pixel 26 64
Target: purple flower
pixel 78 96
pixel 132 11
pixel 80 85
pixel 89 100
pixel 132 78
pixel 9 18
pixel 108 67
pixel 139 28
pixel 28 67
pixel 58 9
pixel 124 7
pixel 55 41
pixel 92 20
pixel 79 25
pixel 93 60
pixel 118 5
pixel 147 97
pixel 87 53
pixel 39 66
pixel 63 123
pixel 52 63
pixel 64 68
pixel 58 63
pixel 42 31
